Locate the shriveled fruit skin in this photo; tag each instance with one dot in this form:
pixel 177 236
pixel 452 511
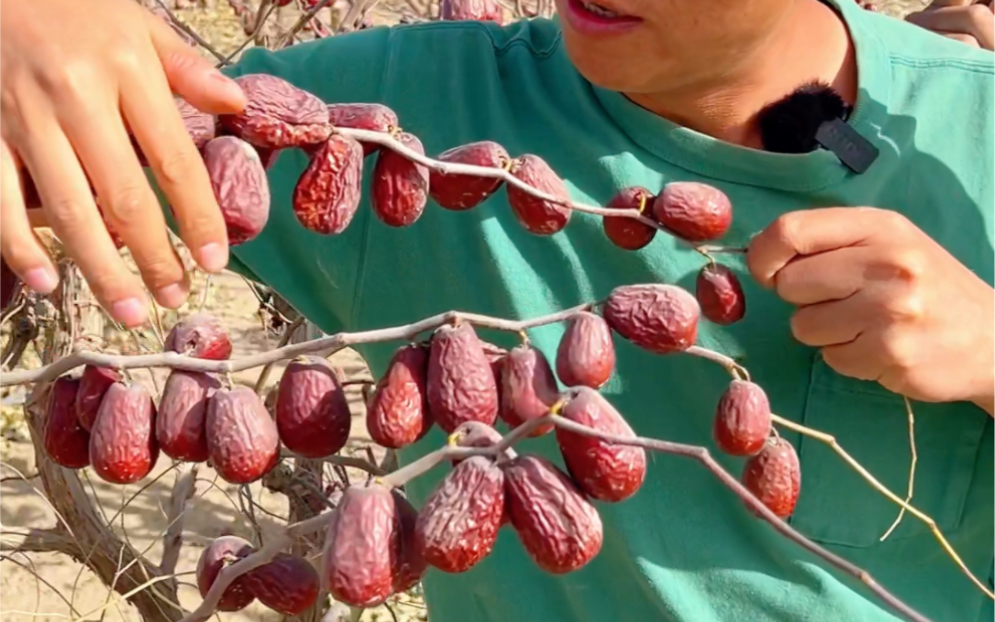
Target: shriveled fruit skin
pixel 277 114
pixel 399 190
pixel 288 584
pixel 461 383
pixel 410 565
pixel 477 434
pixel 774 476
pixel 629 233
pixel 693 211
pixel 603 470
pixel 362 546
pixel 123 447
pixel 528 388
pixel 586 353
pixel 225 551
pixel 240 186
pixel 67 443
pixel 312 412
pixel 373 117
pixel 471 10
pixel 538 216
pixel 459 523
pixel 658 317
pixel 720 294
pixel 241 437
pixel 93 384
pixel 398 414
pixel 327 194
pixel 742 419
pixel 179 425
pixel 201 336
pixel 462 192
pixel 560 529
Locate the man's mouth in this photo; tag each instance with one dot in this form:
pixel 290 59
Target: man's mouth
pixel 597 9
pixel 597 19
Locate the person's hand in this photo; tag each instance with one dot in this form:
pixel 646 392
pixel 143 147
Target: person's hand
pixel 76 78
pixel 883 301
pixel 969 21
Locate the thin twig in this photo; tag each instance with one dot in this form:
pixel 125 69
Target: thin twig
pixel 912 467
pixel 201 41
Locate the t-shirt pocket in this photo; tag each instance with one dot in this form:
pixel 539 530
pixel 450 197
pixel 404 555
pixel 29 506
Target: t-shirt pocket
pixel 836 505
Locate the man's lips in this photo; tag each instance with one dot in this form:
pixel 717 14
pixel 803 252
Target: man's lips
pixel 597 18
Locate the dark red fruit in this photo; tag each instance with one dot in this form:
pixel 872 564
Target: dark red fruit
pixel 603 470
pixel 277 114
pixel 180 422
pixel 560 529
pixel 538 216
pixel 399 189
pixel 241 437
pixel 659 318
pixel 288 584
pixel 372 117
pixel 327 194
pixel 629 233
pixel 774 476
pixel 238 178
pixel 742 419
pixel 720 294
pixel 362 546
pixel 398 414
pixel 222 552
pixel 528 388
pixel 462 192
pixel 693 211
pixel 477 434
pixel 200 336
pixel 67 443
pixel 461 384
pixel 93 384
pixel 586 354
pixel 459 523
pixel 123 448
pixel 312 412
pixel 411 565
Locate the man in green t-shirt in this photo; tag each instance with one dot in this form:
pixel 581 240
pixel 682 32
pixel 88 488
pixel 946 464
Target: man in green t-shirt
pixel 860 285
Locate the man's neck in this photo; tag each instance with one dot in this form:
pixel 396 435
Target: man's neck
pixel 812 45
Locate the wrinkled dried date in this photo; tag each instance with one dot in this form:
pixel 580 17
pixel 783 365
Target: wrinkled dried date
pixel 123 447
pixel 399 189
pixel 659 318
pixel 398 413
pixel 93 384
pixel 287 584
pixel 742 419
pixel 720 294
pixel 629 233
pixel 459 523
pixel 180 422
pixel 312 412
pixel 538 216
pixel 774 476
pixel 693 211
pixel 477 434
pixel 240 186
pixel 372 117
pixel 603 470
pixel 67 443
pixel 222 552
pixel 327 194
pixel 410 565
pixel 277 114
pixel 586 354
pixel 241 437
pixel 528 388
pixel 461 384
pixel 462 192
pixel 201 336
pixel 560 529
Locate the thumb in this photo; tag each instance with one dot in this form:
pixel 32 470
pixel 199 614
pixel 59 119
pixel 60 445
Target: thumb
pixel 192 76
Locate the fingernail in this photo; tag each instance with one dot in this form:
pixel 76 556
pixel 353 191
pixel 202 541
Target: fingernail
pixel 213 257
pixel 41 280
pixel 130 312
pixel 171 296
pixel 231 88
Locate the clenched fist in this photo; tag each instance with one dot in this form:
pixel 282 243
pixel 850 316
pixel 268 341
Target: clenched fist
pixel 883 301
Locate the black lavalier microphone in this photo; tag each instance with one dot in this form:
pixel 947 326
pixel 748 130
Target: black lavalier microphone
pixel 814 116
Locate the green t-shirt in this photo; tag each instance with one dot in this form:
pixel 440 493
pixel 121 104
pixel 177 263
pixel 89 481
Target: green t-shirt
pixel 683 548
